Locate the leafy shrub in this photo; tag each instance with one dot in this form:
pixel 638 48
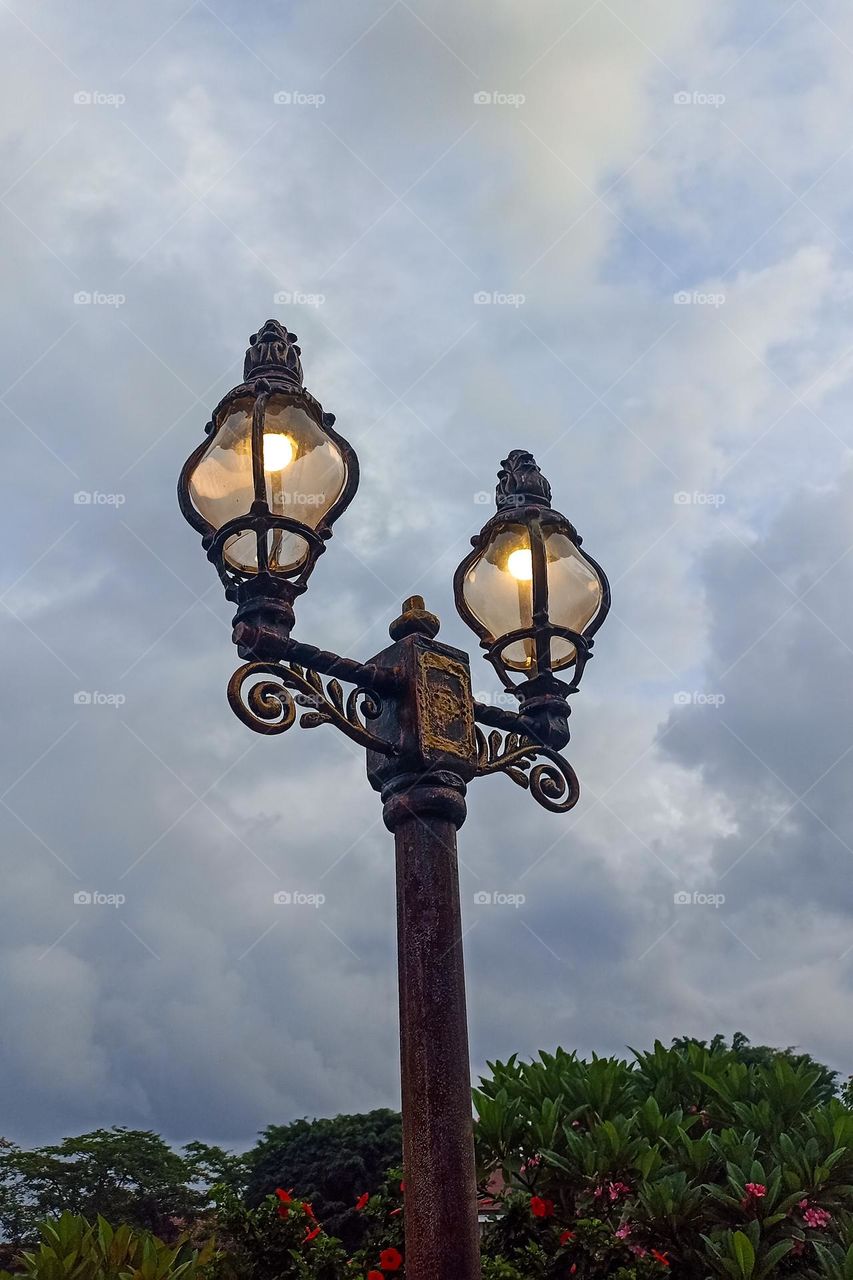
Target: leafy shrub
pixel 331 1162
pixel 699 1161
pixel 690 1157
pixel 72 1249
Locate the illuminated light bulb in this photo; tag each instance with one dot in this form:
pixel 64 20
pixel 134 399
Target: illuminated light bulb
pixel 520 564
pixel 278 451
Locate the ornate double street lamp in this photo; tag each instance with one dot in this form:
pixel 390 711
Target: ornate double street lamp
pixel 264 489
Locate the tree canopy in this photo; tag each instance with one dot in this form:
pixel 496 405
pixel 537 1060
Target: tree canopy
pixel 126 1175
pixel 330 1162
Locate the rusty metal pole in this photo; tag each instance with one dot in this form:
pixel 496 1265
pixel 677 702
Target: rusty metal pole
pixel 442 1232
pixel 422 785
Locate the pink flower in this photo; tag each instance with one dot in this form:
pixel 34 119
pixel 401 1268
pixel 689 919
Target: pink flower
pixel 613 1190
pixel 813 1216
pixel 756 1189
pixel 623 1232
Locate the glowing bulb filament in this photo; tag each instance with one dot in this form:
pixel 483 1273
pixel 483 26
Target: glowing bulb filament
pixel 278 451
pixel 520 564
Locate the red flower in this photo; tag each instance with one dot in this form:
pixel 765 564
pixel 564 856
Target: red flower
pixel 391 1259
pixel 661 1257
pixel 566 1237
pixel 541 1208
pixel 309 1209
pixel 309 1235
pixel 403 1185
pixel 375 1275
pixel 362 1200
pixel 285 1197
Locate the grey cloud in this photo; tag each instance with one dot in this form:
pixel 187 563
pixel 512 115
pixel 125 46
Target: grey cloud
pixel 199 1007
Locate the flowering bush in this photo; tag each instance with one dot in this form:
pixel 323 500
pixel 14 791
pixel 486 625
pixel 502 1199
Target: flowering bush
pixel 687 1160
pixel 282 1239
pixel 695 1161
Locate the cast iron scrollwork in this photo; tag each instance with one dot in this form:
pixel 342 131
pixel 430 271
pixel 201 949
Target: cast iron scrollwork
pixel 553 784
pixel 270 706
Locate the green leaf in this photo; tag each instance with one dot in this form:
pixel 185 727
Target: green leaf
pixel 744 1253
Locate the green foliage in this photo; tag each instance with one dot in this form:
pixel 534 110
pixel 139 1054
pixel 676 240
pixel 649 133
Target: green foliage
pixel 702 1160
pixel 711 1159
pixel 124 1175
pixel 72 1249
pixel 330 1162
pixel 280 1241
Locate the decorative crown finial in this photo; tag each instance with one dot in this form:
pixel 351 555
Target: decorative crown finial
pixel 273 353
pixel 520 482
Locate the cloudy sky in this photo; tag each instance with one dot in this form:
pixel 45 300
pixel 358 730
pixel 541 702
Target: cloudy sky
pixel 654 198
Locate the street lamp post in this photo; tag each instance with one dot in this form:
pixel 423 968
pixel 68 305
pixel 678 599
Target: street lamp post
pixel 264 489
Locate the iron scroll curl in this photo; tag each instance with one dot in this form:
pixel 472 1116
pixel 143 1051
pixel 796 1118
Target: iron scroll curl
pixel 552 784
pixel 270 706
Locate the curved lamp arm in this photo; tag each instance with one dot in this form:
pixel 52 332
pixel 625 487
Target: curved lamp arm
pixel 269 706
pixel 512 747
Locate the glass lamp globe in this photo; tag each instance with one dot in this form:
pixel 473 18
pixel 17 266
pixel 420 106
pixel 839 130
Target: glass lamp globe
pixel 534 598
pixel 265 488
